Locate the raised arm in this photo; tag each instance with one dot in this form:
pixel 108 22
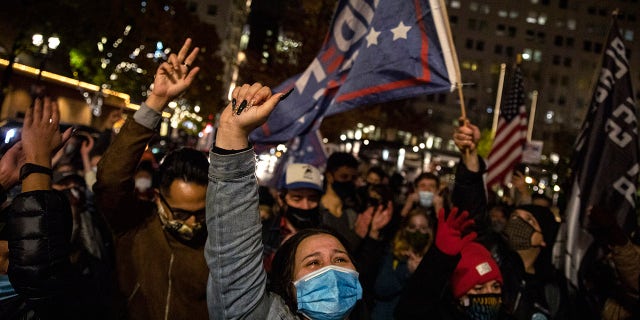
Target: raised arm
pixel 237 280
pixel 468 190
pixel 39 222
pixel 115 177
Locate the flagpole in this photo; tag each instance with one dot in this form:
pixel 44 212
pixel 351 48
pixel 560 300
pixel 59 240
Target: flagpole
pixel 445 16
pixel 532 114
pixel 496 109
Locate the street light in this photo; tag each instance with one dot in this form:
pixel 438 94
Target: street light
pixel 45 49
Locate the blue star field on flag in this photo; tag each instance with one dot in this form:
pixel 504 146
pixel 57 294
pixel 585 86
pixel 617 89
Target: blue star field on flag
pixel 376 51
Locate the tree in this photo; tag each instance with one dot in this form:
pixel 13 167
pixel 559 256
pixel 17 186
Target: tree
pixel 107 42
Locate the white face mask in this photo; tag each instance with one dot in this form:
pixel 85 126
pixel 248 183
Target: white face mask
pixel 143 184
pixel 426 198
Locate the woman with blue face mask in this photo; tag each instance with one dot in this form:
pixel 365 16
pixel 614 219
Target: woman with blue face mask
pixel 313 275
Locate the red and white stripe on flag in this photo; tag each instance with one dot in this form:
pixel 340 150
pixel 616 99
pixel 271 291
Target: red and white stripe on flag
pixel 511 134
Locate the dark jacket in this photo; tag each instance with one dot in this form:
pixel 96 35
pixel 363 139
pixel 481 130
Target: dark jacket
pixel 160 277
pixel 39 228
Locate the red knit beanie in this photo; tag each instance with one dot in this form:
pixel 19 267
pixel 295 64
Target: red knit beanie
pixel 476 266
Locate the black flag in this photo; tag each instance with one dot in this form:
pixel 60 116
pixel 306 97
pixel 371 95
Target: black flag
pixel 605 161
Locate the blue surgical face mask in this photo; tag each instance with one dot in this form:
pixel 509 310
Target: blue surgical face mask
pixel 426 198
pixel 6 290
pixel 329 293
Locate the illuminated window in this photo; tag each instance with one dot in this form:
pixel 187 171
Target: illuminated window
pixel 628 35
pixel 542 19
pixel 537 56
pixel 455 4
pixel 549 117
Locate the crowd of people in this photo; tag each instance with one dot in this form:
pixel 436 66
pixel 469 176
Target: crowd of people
pixel 113 234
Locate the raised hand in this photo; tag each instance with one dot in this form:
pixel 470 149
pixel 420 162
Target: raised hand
pixel 10 164
pixel 86 146
pixel 250 107
pixel 41 136
pixel 413 260
pixel 363 221
pixel 380 219
pixel 449 233
pixel 173 77
pixel 466 136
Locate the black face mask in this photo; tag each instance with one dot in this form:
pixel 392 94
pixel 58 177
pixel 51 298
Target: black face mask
pixel 482 306
pixel 344 190
pixel 417 240
pixel 303 219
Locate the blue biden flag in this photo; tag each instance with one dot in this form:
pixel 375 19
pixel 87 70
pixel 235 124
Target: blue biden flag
pixel 376 51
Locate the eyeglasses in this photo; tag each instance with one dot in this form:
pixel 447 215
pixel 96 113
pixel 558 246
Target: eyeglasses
pixel 181 214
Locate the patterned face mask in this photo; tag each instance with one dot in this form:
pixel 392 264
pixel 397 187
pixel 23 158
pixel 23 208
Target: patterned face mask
pixel 482 306
pixel 519 233
pixel 191 236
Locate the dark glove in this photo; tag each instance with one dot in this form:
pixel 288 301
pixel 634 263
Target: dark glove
pixel 449 234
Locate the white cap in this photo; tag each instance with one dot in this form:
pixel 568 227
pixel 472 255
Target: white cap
pixel 302 175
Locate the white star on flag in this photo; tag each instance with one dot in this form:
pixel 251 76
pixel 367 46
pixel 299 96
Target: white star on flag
pixel 400 32
pixel 372 37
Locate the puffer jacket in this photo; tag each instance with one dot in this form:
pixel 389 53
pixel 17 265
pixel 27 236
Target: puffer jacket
pixel 39 226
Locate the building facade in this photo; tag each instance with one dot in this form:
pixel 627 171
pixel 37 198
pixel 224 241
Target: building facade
pixel 229 18
pixel 561 42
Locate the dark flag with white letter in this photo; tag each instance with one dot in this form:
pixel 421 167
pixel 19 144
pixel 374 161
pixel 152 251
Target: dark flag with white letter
pixel 376 51
pixel 605 161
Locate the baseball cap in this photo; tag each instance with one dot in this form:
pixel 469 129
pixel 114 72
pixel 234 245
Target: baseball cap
pixel 302 175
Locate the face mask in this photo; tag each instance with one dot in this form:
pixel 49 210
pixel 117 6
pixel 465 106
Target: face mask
pixel 303 219
pixel 344 190
pixel 143 184
pixel 482 306
pixel 190 236
pixel 519 233
pixel 417 240
pixel 426 198
pixel 328 294
pixel 497 226
pixel 6 290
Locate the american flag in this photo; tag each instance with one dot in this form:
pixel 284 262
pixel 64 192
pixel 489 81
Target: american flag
pixel 511 134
